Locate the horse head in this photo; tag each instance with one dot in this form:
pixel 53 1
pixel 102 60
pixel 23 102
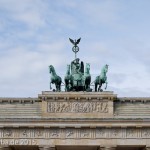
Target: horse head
pixel 105 69
pixel 51 69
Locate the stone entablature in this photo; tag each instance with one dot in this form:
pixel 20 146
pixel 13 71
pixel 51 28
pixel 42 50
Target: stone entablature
pixel 75 118
pixel 133 99
pixel 133 107
pixel 76 133
pixel 18 100
pixel 75 136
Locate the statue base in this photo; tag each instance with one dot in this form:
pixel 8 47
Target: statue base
pixel 77 104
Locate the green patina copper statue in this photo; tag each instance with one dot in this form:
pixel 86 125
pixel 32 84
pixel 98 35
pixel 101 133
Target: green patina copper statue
pixel 55 79
pixel 68 80
pixel 77 77
pixel 101 79
pixel 75 48
pixel 87 77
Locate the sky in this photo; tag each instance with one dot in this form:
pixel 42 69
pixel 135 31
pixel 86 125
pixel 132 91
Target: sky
pixel 35 34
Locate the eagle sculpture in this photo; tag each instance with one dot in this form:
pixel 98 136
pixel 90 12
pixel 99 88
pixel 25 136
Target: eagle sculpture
pixel 75 42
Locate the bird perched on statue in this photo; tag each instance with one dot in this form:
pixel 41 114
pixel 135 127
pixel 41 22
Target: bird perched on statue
pixel 75 42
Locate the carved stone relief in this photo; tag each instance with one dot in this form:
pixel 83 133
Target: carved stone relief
pixel 100 133
pixel 77 107
pixel 38 133
pixel 75 133
pixel 131 133
pixel 85 133
pixel 7 133
pixel 146 133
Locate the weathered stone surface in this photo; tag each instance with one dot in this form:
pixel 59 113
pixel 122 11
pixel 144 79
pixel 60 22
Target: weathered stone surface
pixel 77 118
pixel 77 104
pixel 132 107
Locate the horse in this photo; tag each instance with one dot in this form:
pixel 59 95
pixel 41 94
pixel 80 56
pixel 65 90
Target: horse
pixel 68 80
pixel 55 79
pixel 101 79
pixel 87 77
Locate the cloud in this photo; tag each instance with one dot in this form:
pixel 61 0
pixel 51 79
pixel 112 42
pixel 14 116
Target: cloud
pixel 34 34
pixel 99 13
pixel 26 11
pixel 24 68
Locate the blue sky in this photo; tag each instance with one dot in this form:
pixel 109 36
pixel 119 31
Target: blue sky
pixel 34 34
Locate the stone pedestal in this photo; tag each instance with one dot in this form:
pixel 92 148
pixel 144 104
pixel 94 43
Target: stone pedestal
pixel 77 104
pixel 75 119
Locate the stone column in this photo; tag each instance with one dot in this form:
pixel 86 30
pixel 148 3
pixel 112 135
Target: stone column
pixel 5 148
pixel 108 148
pixel 46 147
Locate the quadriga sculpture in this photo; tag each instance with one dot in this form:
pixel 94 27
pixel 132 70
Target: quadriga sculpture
pixel 78 77
pixel 55 79
pixel 101 79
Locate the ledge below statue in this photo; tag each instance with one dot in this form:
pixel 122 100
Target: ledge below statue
pixel 77 104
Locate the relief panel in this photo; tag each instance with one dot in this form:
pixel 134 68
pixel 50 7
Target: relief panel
pixel 77 107
pixel 75 133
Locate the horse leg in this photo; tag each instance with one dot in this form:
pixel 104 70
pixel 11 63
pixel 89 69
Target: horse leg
pixel 89 82
pixel 56 87
pixel 85 85
pixel 99 89
pixel 50 86
pixel 106 86
pixel 59 84
pixel 71 85
pixel 60 87
pixel 100 85
pixel 65 85
pixel 95 87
